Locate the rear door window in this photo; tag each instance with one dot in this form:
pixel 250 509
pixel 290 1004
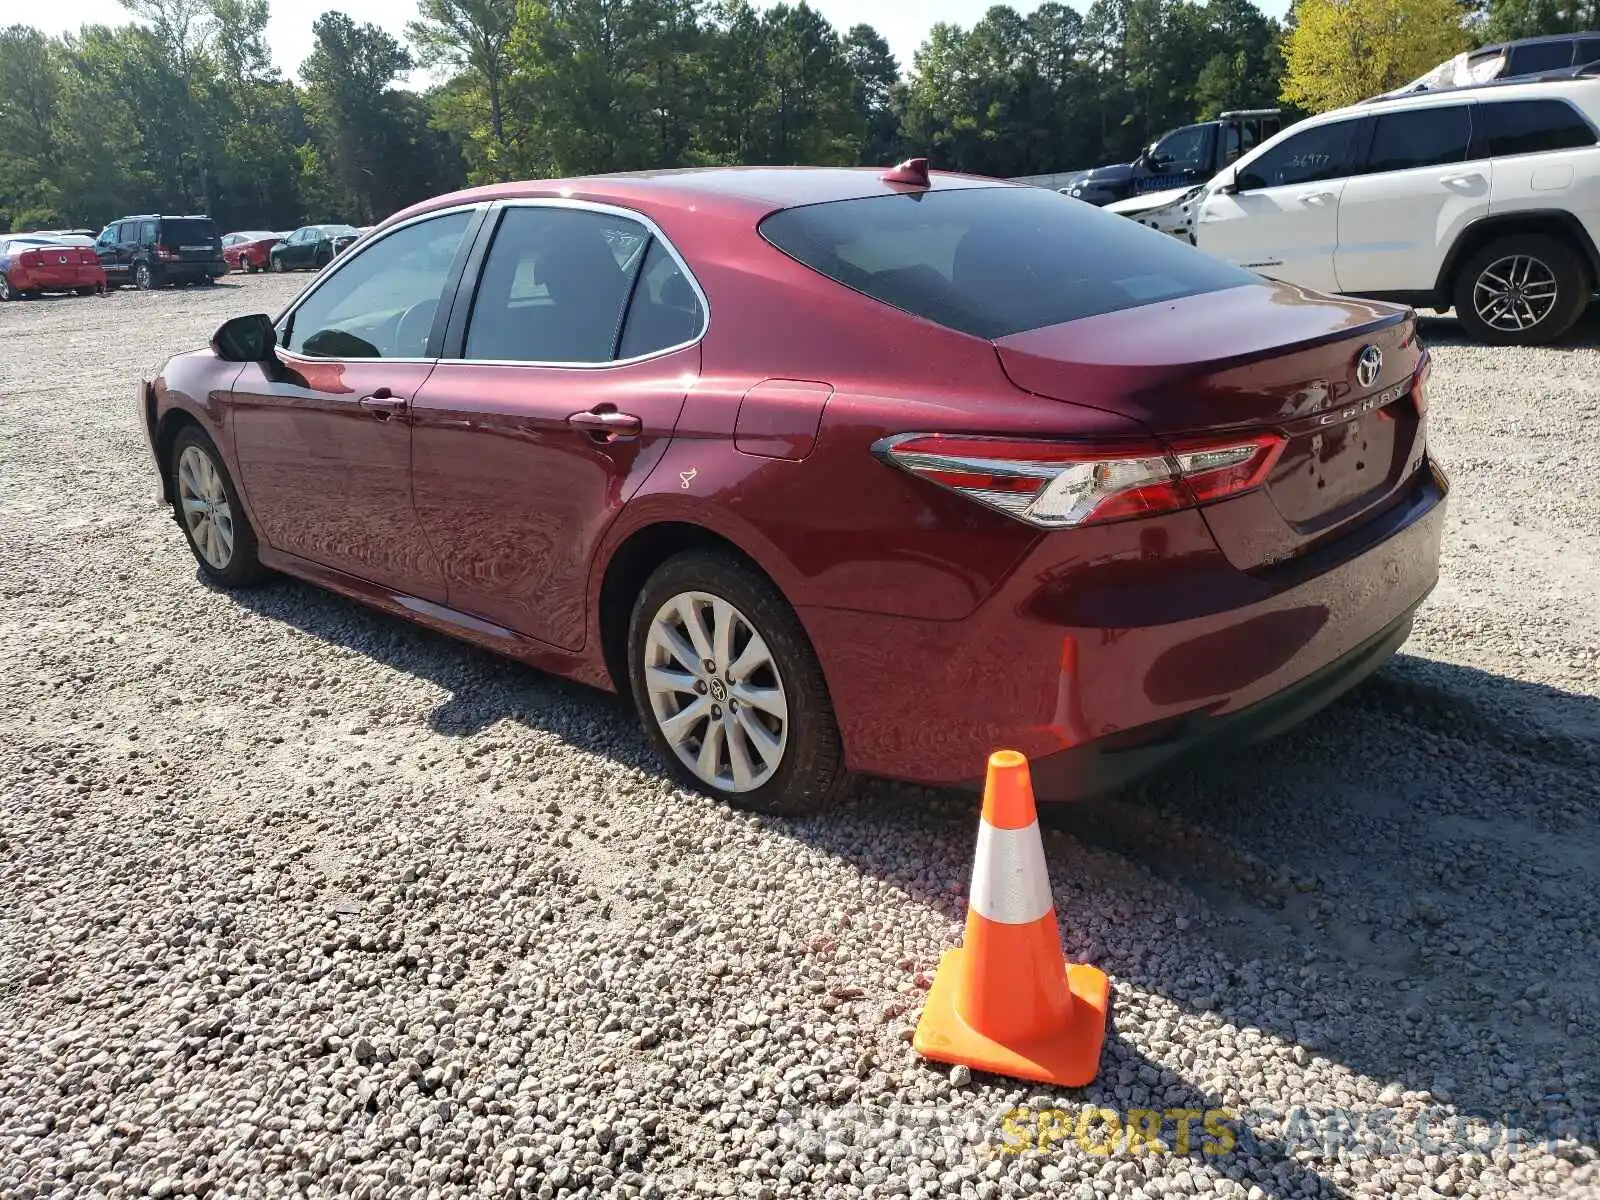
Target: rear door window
pixel 1588 52
pixel 128 233
pixel 1422 137
pixel 555 286
pixel 1510 127
pixel 994 261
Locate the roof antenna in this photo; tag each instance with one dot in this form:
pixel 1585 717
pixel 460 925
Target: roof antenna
pixel 913 171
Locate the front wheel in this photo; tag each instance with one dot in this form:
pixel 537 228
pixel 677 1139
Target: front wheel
pixel 1523 290
pixel 207 506
pixel 729 689
pixel 277 265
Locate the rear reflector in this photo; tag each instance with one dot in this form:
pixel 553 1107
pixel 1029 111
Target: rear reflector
pixel 1059 485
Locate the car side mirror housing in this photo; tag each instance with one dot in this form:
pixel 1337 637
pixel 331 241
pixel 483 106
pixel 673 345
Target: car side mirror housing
pixel 1227 184
pixel 245 339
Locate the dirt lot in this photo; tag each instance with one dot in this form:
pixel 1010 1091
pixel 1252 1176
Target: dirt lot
pixel 300 900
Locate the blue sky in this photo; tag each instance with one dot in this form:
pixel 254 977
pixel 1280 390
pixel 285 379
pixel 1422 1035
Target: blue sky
pixel 905 23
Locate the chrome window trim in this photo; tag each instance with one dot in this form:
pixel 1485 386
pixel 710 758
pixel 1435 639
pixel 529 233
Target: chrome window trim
pixel 360 247
pixel 615 210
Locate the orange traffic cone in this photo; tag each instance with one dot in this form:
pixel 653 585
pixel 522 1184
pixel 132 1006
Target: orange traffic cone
pixel 1007 1001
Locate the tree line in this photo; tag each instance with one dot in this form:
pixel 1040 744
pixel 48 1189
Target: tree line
pixel 181 109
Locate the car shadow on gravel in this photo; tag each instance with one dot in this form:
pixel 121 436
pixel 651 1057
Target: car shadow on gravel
pixel 1326 888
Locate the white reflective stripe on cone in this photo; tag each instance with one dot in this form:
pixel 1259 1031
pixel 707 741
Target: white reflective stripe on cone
pixel 1009 881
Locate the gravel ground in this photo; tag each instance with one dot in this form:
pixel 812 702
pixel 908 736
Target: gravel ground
pixel 301 900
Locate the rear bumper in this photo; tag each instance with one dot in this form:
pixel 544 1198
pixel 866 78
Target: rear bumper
pixel 1111 763
pixel 57 278
pixel 1102 657
pixel 189 272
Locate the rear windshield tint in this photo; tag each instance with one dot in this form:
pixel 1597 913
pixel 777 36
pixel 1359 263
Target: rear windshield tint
pixel 995 261
pixel 189 230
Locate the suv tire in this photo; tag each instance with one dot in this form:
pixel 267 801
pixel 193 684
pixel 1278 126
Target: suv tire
pixel 143 277
pixel 780 683
pixel 1526 289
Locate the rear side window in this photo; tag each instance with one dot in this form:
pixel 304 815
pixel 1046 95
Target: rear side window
pixel 1306 157
pixel 1588 52
pixel 1423 137
pixel 666 310
pixel 994 261
pixel 1542 56
pixel 1530 127
pixel 188 231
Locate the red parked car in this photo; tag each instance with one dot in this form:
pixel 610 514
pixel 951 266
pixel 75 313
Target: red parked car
pixel 249 250
pixel 33 263
pixel 832 471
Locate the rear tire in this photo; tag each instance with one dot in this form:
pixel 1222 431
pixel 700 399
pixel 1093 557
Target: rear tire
pixel 207 507
pixel 1523 290
pixel 143 278
pixel 756 691
pixel 277 265
pixel 6 291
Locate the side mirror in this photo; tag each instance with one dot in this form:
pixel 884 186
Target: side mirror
pixel 1226 184
pixel 245 339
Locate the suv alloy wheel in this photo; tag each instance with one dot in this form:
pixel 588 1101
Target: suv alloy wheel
pixel 1521 290
pixel 143 278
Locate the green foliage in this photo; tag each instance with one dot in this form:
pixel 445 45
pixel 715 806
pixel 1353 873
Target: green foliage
pixel 1506 20
pixel 1342 51
pixel 181 108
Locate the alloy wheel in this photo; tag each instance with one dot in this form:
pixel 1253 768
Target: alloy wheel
pixel 142 277
pixel 1514 293
pixel 716 692
pixel 206 511
pixel 5 289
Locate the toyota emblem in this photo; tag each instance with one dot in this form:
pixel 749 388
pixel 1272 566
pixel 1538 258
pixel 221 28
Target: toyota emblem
pixel 1369 365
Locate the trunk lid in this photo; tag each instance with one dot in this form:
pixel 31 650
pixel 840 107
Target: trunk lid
pixel 1264 357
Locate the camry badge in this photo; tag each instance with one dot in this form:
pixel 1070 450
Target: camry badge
pixel 1369 364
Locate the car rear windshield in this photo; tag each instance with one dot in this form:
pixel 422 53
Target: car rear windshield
pixel 188 231
pixel 994 261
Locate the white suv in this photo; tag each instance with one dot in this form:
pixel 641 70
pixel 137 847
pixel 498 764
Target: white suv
pixel 1486 200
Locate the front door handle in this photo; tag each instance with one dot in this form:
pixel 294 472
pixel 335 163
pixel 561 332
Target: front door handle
pixel 606 424
pixel 384 404
pixel 1314 197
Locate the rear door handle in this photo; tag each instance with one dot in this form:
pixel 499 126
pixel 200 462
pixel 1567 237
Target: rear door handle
pixel 384 404
pixel 607 424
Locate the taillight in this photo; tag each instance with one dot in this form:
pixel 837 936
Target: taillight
pixel 1058 485
pixel 31 258
pixel 1419 384
pixel 166 253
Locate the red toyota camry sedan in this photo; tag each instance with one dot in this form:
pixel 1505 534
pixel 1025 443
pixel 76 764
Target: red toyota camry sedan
pixel 832 471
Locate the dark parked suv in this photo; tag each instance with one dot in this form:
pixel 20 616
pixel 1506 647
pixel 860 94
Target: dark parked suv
pixel 149 251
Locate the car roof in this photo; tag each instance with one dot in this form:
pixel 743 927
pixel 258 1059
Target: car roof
pixel 1515 89
pixel 728 190
pixel 1536 41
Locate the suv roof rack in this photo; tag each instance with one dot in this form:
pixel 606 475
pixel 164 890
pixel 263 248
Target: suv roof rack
pixel 1250 112
pixel 1583 74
